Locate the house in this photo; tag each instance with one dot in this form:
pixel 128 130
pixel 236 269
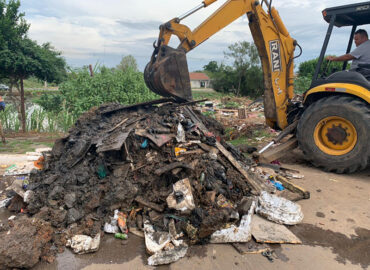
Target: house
pixel 199 80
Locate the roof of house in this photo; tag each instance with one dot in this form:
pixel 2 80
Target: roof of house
pixel 198 76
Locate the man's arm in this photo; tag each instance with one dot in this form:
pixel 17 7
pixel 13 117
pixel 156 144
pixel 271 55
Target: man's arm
pixel 345 57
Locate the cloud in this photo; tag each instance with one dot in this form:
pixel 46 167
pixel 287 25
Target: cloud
pixel 104 31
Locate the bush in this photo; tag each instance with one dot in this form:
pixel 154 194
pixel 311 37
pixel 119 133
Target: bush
pixel 302 84
pixel 307 68
pixel 80 91
pixel 51 102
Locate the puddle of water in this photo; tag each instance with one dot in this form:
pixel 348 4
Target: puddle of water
pixel 354 249
pixel 111 251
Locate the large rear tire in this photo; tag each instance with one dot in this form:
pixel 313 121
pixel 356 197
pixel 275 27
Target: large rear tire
pixel 333 133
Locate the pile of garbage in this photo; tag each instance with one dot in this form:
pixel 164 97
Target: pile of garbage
pixel 161 172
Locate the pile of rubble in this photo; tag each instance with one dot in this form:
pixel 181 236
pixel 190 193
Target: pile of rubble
pixel 158 171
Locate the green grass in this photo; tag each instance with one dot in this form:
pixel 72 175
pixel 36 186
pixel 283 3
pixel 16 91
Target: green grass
pixel 209 95
pixel 21 146
pixel 252 140
pixel 32 83
pixel 261 133
pixel 240 141
pixel 209 114
pixel 231 105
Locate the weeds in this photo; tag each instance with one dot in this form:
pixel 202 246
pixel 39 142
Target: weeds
pixel 209 95
pixel 37 119
pixel 209 114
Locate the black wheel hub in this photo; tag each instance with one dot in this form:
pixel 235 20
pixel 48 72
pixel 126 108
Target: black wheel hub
pixel 337 134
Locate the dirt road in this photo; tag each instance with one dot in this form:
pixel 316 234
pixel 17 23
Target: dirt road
pixel 335 233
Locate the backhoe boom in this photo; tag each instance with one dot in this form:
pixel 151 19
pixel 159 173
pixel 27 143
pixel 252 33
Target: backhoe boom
pixel 167 73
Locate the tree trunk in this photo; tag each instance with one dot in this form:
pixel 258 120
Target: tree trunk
pixel 2 134
pixel 23 109
pixel 91 71
pixel 239 84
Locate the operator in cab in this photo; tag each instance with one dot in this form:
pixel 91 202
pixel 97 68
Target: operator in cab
pixel 360 55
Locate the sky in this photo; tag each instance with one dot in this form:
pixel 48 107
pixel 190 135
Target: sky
pixel 95 31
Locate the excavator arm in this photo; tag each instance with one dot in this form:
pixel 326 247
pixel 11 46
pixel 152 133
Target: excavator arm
pixel 167 73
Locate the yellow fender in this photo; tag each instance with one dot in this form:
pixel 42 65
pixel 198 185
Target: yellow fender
pixel 337 88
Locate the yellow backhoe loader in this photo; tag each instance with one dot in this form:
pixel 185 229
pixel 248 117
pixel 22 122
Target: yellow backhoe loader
pixel 332 124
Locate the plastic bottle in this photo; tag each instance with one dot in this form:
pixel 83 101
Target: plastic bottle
pixel 122 236
pixel 180 133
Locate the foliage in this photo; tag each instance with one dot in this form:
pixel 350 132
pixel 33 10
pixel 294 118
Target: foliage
pixel 81 91
pixel 127 62
pixel 232 105
pixel 198 94
pixel 211 114
pixel 33 82
pixel 26 58
pixel 211 67
pixel 51 102
pixel 245 57
pixel 21 57
pixel 306 71
pixel 37 119
pixel 252 82
pixel 244 77
pixel 307 68
pixel 12 24
pixel 242 140
pixel 302 84
pixel 224 79
pixel 9 119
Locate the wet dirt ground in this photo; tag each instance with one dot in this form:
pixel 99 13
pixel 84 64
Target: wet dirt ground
pixel 335 233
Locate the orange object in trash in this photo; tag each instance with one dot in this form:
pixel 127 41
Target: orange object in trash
pixel 179 151
pixel 122 222
pixel 39 164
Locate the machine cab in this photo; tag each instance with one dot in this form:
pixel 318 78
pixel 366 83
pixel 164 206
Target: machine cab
pixel 353 16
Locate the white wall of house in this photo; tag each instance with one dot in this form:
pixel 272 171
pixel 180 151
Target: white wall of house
pixel 199 84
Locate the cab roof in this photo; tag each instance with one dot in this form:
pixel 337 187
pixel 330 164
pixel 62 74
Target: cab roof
pixel 349 15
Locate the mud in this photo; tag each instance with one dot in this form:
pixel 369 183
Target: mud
pixel 354 249
pixel 23 242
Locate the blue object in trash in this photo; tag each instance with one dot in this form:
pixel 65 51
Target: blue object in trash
pixel 144 144
pixel 2 105
pixel 278 185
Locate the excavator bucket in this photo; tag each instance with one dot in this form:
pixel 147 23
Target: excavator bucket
pixel 167 74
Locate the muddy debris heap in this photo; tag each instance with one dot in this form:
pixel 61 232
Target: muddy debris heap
pixel 159 171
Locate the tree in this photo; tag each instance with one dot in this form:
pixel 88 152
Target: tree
pixel 12 23
pixel 223 80
pixel 244 56
pixel 211 67
pixel 21 57
pixel 127 62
